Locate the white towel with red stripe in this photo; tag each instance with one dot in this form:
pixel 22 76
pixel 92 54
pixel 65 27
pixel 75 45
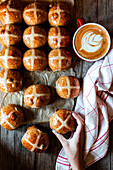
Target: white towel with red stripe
pixel 95 105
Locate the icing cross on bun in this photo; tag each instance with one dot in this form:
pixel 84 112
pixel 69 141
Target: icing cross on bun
pixel 34 37
pixel 35 140
pixel 34 13
pixel 10 12
pixel 35 60
pixel 10 57
pixel 37 96
pixel 62 121
pixel 10 81
pixel 59 59
pixel 58 37
pixel 68 87
pixel 10 35
pixel 11 116
pixel 59 14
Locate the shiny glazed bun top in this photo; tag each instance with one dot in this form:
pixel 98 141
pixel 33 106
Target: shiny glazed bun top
pixel 37 96
pixel 10 81
pixel 35 140
pixel 68 87
pixel 59 14
pixel 10 34
pixel 62 121
pixel 59 59
pixel 10 12
pixel 10 57
pixel 34 60
pixel 35 13
pixel 34 37
pixel 58 37
pixel 11 116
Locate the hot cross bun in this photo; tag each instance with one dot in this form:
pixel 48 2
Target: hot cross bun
pixel 59 59
pixel 59 14
pixel 10 34
pixel 34 13
pixel 10 12
pixel 58 37
pixel 35 140
pixel 10 81
pixel 11 116
pixel 68 87
pixel 62 121
pixel 34 37
pixel 37 96
pixel 10 58
pixel 35 60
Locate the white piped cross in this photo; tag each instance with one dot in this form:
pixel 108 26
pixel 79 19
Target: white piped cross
pixel 35 10
pixel 4 81
pixel 32 58
pixel 4 118
pixel 59 37
pixel 68 87
pixel 64 122
pixel 32 35
pixel 34 146
pixel 58 11
pixel 7 35
pixel 59 57
pixel 6 57
pixel 35 95
pixel 7 10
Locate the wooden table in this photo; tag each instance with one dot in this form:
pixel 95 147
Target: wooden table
pixel 15 157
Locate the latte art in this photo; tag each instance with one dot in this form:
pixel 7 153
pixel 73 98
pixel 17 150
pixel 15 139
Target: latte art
pixel 91 42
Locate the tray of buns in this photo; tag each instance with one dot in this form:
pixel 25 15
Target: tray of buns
pixel 35 58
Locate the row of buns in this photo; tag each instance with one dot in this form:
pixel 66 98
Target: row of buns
pixel 35 59
pixel 34 36
pixel 34 13
pixel 62 121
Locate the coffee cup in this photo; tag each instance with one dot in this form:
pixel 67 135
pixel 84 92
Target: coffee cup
pixel 91 41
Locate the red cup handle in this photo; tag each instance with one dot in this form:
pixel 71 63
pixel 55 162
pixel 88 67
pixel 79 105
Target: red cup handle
pixel 80 22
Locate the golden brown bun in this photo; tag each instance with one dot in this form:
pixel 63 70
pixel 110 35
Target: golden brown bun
pixel 37 96
pixel 34 60
pixel 10 35
pixel 37 40
pixel 10 81
pixel 68 87
pixel 34 13
pixel 11 117
pixel 59 59
pixel 10 58
pixel 35 140
pixel 62 121
pixel 10 12
pixel 59 14
pixel 58 37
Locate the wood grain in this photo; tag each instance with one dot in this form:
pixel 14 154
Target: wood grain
pixel 15 157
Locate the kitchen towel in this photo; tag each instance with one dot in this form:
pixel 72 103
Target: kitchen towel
pixel 95 105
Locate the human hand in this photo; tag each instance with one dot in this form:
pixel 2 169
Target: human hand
pixel 73 147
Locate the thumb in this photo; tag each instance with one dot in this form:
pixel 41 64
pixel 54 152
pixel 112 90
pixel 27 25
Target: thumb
pixel 60 137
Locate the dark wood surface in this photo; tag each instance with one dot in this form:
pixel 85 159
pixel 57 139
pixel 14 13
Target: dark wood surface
pixel 15 157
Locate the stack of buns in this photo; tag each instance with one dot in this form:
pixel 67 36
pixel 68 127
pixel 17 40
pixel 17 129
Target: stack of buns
pixel 10 56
